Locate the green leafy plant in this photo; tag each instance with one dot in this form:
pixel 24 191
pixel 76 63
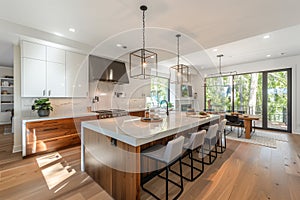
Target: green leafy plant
pixel 170 105
pixel 42 104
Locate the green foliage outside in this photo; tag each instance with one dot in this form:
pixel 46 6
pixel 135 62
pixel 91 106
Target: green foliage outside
pixel 159 91
pixel 277 96
pixel 219 91
pixel 242 93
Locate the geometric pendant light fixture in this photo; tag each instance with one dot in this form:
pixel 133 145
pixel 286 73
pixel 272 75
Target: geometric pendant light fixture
pixel 142 62
pixel 179 73
pixel 220 73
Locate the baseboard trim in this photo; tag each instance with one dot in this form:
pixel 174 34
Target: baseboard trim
pixel 17 149
pixel 296 131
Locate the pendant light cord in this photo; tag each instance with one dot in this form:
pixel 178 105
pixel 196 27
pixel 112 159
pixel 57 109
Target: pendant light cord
pixel 144 29
pixel 178 36
pixel 220 57
pixel 178 51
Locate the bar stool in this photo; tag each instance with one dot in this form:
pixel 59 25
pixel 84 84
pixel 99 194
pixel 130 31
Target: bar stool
pixel 168 155
pixel 210 143
pixel 221 134
pixel 192 144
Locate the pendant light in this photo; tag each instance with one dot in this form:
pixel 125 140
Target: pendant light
pixel 142 62
pixel 220 73
pixel 179 73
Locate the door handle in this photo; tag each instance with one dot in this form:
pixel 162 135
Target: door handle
pixel 44 92
pixel 49 93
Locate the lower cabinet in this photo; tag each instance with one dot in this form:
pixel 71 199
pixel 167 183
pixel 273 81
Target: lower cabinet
pixel 137 113
pixel 51 135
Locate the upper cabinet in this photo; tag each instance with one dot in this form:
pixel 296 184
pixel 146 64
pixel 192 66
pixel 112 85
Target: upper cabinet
pixel 52 72
pixel 33 50
pixel 56 55
pixel 56 80
pixel 33 78
pixel 76 75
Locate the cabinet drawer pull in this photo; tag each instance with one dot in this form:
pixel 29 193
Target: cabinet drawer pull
pixel 44 92
pixel 50 129
pixel 49 93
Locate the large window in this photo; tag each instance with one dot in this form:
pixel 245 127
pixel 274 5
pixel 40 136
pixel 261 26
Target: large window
pixel 159 91
pixel 218 93
pixel 264 94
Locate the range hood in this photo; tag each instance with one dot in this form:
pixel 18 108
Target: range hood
pixel 103 69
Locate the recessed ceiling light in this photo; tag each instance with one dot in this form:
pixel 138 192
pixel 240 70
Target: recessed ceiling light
pixel 268 56
pixel 58 34
pixel 119 45
pixel 266 36
pixel 215 50
pixel 72 30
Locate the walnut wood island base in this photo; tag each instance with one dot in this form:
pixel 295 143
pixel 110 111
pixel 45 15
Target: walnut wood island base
pixel 111 149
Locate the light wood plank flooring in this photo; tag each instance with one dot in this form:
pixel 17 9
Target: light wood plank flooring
pixel 244 171
pixel 6 147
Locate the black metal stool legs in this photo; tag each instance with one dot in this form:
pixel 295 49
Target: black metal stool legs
pixel 211 161
pixel 191 165
pixel 166 169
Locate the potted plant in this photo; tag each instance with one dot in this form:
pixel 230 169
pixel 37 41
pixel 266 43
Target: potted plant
pixel 43 106
pixel 170 105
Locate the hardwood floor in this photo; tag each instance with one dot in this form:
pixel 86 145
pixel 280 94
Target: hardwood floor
pixel 55 176
pixel 6 147
pixel 244 171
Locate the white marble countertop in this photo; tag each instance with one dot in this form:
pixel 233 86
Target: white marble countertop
pixel 133 131
pixel 58 116
pixel 136 109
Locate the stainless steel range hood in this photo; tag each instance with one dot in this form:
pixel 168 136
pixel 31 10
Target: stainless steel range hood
pixel 104 69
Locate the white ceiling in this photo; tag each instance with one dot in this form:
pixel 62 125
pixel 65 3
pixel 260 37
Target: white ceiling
pixel 203 24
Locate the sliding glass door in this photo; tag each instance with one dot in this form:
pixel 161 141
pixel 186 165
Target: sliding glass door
pixel 277 100
pixel 248 95
pixel 266 95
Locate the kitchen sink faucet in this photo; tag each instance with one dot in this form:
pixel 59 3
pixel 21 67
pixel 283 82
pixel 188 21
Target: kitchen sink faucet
pixel 162 101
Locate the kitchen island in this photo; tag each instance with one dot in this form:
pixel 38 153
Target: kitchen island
pixel 111 148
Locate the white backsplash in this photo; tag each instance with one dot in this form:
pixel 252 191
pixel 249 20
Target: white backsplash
pixel 133 95
pixel 60 106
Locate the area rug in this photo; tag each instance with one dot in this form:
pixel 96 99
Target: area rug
pixel 260 137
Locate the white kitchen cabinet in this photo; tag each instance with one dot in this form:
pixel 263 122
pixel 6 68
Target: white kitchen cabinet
pixel 42 79
pixel 56 55
pixel 33 50
pixel 76 75
pixel 43 71
pixel 53 72
pixel 56 81
pixel 33 78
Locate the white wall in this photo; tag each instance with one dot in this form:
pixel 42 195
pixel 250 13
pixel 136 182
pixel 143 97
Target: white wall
pixel 135 94
pixel 273 64
pixel 197 84
pixel 17 100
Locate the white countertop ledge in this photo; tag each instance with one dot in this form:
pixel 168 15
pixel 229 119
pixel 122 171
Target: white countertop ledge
pixel 58 116
pixel 136 109
pixel 131 130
